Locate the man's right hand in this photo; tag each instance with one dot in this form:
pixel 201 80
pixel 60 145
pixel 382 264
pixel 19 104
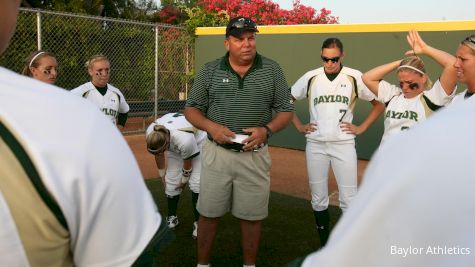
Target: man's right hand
pixel 221 134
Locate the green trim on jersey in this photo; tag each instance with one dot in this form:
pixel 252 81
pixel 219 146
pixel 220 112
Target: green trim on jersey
pixel 309 85
pixel 44 240
pixel 468 94
pixel 102 90
pixel 332 76
pixel 430 104
pixel 32 174
pixel 122 118
pixel 354 93
pixel 192 156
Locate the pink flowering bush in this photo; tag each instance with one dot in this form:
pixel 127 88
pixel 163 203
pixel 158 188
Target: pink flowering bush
pixel 266 12
pixel 169 14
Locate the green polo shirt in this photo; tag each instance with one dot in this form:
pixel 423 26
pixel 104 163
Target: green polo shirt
pixel 237 103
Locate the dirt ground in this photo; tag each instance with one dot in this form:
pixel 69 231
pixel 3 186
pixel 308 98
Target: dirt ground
pixel 288 172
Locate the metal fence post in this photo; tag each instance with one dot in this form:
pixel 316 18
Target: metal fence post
pixel 142 60
pixel 156 75
pixel 187 70
pixel 38 29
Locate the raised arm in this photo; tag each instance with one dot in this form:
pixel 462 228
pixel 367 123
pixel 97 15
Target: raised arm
pixel 448 78
pixel 372 77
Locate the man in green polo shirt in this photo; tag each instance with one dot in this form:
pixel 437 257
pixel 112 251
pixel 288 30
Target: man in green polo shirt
pixel 232 100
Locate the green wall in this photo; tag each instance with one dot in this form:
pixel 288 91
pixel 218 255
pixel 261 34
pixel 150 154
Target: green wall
pixel 299 53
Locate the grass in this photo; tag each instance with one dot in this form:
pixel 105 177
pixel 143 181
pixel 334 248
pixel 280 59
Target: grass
pixel 289 232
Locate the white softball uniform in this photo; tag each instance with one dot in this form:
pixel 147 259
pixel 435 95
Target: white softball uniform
pixel 111 104
pixel 185 143
pixel 419 212
pixel 100 213
pixel 330 103
pixel 402 113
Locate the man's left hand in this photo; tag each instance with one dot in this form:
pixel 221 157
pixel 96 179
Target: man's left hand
pixel 257 137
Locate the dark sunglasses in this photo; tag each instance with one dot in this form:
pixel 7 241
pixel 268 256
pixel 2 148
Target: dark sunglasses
pixel 333 59
pixel 412 86
pixel 470 39
pixel 243 23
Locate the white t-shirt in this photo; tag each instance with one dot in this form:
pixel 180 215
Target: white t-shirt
pixel 111 104
pixel 185 139
pixel 416 205
pixel 87 167
pixel 331 102
pixel 402 113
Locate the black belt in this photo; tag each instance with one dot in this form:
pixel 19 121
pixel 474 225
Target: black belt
pixel 236 147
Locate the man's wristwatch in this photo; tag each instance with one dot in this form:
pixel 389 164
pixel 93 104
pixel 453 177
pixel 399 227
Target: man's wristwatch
pixel 269 131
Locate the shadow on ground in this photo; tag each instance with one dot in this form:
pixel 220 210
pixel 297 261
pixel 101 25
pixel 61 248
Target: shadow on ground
pixel 289 232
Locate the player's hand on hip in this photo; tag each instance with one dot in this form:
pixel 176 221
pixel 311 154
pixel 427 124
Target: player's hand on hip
pixel 308 128
pixel 350 128
pixel 257 137
pixel 221 134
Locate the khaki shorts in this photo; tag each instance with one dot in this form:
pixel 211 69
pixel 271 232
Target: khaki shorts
pixel 234 181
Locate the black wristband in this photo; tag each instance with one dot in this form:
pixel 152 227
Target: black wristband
pixel 269 131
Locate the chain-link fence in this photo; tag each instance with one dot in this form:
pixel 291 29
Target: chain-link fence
pixel 150 63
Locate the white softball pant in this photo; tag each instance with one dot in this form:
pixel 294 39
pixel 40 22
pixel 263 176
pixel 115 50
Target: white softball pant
pixel 341 156
pixel 174 173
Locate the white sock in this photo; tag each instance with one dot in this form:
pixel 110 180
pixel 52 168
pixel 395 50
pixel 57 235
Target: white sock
pixel 203 265
pixel 244 265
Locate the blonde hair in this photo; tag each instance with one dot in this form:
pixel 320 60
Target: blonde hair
pixel 416 65
pixel 32 61
pixel 158 139
pixel 470 42
pixel 95 58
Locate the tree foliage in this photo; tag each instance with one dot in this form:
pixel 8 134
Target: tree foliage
pixel 128 9
pixel 192 13
pixel 209 13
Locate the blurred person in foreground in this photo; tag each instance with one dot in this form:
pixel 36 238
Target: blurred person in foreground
pixel 71 192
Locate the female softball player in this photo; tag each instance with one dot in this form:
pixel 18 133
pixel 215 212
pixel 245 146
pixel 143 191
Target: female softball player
pixel 41 65
pixel 173 134
pixel 465 67
pixel 107 97
pixel 415 99
pixel 332 91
